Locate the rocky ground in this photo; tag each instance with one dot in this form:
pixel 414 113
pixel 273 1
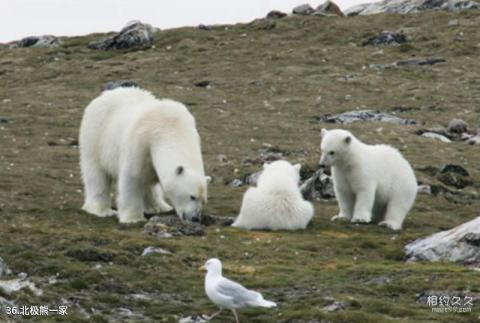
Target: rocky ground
pixel 259 91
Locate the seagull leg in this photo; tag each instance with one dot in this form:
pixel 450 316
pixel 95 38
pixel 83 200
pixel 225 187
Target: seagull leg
pixel 208 318
pixel 236 316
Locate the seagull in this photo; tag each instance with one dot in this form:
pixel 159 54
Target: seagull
pixel 228 294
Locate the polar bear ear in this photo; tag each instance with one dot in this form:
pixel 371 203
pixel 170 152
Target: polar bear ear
pixel 179 170
pixel 208 179
pixel 348 139
pixel 323 132
pixel 297 167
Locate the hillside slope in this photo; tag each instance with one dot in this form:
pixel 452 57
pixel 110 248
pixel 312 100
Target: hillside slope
pixel 269 83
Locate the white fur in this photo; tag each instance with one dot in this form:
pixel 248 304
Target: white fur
pixel 369 180
pixel 128 135
pixel 276 203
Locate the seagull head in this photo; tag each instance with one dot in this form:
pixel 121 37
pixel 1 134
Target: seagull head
pixel 213 265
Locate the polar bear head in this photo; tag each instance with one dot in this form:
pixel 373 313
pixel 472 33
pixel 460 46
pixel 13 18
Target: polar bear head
pixel 335 146
pixel 280 168
pixel 187 192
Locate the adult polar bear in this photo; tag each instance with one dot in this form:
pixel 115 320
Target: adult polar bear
pixel 128 135
pixel 369 180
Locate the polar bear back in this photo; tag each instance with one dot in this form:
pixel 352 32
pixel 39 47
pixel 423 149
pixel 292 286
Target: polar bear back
pixel 119 118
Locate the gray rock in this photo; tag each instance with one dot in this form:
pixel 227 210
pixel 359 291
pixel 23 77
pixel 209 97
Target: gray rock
pixel 210 219
pixel 119 83
pixel 436 136
pixel 452 168
pixel 408 62
pixel 235 183
pixel 328 8
pixel 454 175
pixel 457 126
pixel 460 244
pixel 304 10
pixel 150 250
pixel 364 115
pixel 410 6
pixel 386 38
pixel 319 186
pixel 204 27
pixel 192 319
pixel 453 22
pixel 335 307
pixel 424 189
pixel 252 179
pixel 203 83
pixel 45 41
pixel 275 14
pixel 134 35
pixel 475 140
pixel 4 270
pixel 171 225
pixel 15 284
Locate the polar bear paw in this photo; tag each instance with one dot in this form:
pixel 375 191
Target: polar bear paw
pixel 100 212
pixel 361 219
pixel 339 217
pixel 391 225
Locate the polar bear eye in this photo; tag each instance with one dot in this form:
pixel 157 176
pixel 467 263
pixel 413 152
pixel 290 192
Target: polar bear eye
pixel 193 198
pixel 331 153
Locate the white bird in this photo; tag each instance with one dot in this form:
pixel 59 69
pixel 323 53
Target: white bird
pixel 228 294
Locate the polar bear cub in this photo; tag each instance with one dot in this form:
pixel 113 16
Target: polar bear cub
pixel 150 147
pixel 369 180
pixel 276 203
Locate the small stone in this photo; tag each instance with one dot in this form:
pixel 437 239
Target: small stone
pixel 386 38
pixel 275 14
pixel 204 83
pixel 436 136
pixel 119 83
pixel 319 186
pixel 424 189
pixel 457 126
pixel 150 250
pixel 4 120
pixel 304 10
pixel 236 183
pixel 192 319
pixel 221 158
pixel 335 306
pixel 452 22
pixel 204 27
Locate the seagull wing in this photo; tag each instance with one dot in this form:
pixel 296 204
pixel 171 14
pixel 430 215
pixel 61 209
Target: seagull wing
pixel 239 295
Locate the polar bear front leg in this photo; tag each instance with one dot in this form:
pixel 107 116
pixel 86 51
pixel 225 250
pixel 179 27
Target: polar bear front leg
pixel 346 202
pixel 364 201
pixel 97 190
pixel 131 190
pixel 154 200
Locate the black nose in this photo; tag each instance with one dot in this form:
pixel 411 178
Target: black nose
pixel 195 219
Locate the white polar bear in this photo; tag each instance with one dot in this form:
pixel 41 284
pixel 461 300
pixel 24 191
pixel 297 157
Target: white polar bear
pixel 368 179
pixel 151 147
pixel 276 203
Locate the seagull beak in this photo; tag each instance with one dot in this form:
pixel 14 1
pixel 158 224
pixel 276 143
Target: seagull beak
pixel 202 268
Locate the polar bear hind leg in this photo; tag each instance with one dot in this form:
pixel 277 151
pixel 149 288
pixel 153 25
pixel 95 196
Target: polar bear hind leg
pixel 397 210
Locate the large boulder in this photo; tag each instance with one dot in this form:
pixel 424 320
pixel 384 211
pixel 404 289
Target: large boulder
pixel 45 41
pixel 460 244
pixel 303 10
pixel 410 6
pixel 134 35
pixel 328 8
